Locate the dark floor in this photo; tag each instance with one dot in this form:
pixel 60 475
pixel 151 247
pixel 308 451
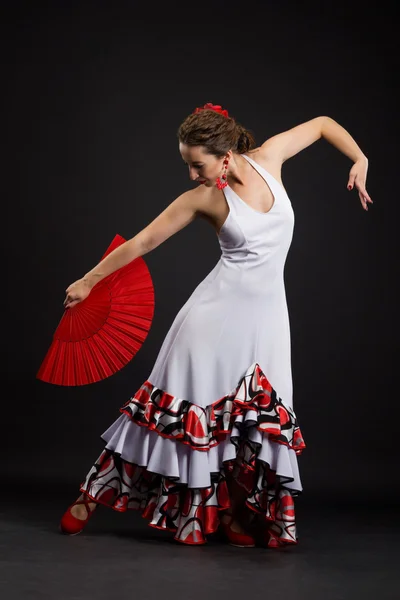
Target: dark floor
pixel 344 552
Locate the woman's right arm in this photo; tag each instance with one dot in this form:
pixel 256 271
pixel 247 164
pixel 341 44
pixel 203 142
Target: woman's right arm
pixel 182 211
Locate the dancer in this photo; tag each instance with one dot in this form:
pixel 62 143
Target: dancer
pixel 211 438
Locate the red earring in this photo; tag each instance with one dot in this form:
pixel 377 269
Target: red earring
pixel 222 184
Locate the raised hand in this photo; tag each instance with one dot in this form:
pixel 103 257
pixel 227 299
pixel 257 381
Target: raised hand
pixel 358 179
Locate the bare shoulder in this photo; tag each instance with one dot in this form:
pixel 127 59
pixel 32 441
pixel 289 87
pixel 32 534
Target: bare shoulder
pixel 264 156
pixel 210 205
pixel 177 215
pixel 196 200
pixel 197 197
pixel 201 199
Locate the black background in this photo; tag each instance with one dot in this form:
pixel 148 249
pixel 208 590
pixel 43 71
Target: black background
pixel 93 96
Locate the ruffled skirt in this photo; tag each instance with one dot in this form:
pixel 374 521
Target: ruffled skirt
pixel 170 458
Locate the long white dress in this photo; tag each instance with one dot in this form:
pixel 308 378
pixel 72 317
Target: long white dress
pixel 219 397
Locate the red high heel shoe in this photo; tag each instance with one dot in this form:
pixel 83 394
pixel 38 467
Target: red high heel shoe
pixel 72 525
pixel 242 540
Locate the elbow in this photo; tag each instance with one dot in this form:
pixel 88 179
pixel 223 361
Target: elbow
pixel 322 123
pixel 141 243
pixel 146 244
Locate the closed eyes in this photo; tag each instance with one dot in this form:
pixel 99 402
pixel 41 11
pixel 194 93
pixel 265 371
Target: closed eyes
pixel 195 166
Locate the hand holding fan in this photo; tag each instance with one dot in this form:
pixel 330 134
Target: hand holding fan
pixel 102 333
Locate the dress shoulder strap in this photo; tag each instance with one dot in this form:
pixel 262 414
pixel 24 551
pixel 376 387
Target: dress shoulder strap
pixel 273 183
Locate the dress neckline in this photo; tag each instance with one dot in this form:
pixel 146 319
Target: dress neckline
pixel 256 167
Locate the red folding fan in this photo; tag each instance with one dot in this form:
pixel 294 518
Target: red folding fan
pixel 100 335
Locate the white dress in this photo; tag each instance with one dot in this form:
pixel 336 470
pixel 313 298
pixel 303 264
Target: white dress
pixel 219 397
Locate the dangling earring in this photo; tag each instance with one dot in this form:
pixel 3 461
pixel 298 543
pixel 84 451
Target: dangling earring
pixel 222 184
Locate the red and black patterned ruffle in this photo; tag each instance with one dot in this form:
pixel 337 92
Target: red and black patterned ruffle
pixel 203 428
pixel 193 513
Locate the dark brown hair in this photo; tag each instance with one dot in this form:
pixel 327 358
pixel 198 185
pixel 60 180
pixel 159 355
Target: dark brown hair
pixel 215 132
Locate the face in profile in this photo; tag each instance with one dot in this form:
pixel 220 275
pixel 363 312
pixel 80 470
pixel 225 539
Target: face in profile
pixel 203 168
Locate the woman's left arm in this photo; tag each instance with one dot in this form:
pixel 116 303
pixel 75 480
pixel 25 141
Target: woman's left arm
pixel 289 143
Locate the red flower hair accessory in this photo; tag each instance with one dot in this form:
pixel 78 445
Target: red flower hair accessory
pixel 215 107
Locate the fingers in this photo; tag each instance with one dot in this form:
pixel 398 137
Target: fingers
pixel 364 197
pixel 70 301
pixel 350 183
pixel 69 298
pixel 71 304
pixel 362 192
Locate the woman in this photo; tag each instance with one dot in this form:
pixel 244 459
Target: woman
pixel 211 437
